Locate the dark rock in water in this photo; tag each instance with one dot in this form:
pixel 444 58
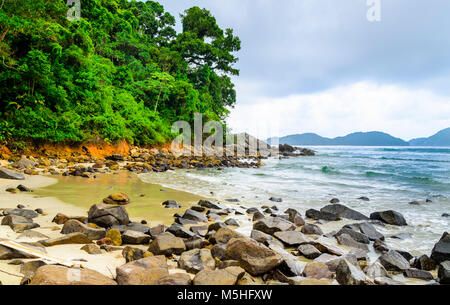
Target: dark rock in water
pixel 234 200
pixel 232 222
pixel 171 204
pixel 428 200
pixel 348 274
pixel 271 225
pixel 39 211
pixel 258 216
pixel 194 216
pixel 363 198
pixel 20 206
pixel 425 263
pixel 335 200
pixel 286 148
pixel 317 215
pixel 10 174
pixel 23 188
pixel 107 216
pixel 179 231
pixel 394 261
pixel 357 236
pixel 343 212
pixel 276 199
pixel 389 217
pixel 210 204
pixel 445 215
pixel 418 274
pixel 292 238
pixel 311 229
pixel 401 236
pixel 441 250
pixel 444 273
pixel 309 251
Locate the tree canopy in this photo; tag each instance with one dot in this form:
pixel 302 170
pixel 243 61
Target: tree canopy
pixel 120 72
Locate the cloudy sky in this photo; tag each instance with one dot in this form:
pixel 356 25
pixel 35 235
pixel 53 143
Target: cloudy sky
pixel 320 65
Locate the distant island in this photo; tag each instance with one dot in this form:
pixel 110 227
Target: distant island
pixel 373 138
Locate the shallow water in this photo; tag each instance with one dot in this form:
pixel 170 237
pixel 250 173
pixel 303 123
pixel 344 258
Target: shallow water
pixel 390 176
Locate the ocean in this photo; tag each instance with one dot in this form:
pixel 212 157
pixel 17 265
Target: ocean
pixel 390 177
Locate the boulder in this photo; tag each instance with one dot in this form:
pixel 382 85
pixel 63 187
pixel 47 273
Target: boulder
pixel 171 204
pixel 194 216
pixel 276 199
pixel 260 237
pixel 60 275
pixel 73 225
pixel 254 258
pixel 135 238
pixel 258 216
pixel 227 276
pixel 347 240
pixel 62 219
pixel 210 205
pixel 23 188
pixel 441 250
pixel 318 215
pixel 295 217
pixel 19 224
pixel 348 274
pixel 390 217
pixel 309 251
pixel 180 231
pixel 91 249
pixel 115 236
pixel 117 199
pixel 311 229
pixel 72 238
pixel 333 261
pixel 355 235
pixel 367 229
pixel 375 270
pixel 444 273
pixel 425 263
pixel 10 174
pixel 167 244
pixel 196 260
pixel 232 222
pixel 292 238
pixel 107 216
pixel 22 212
pixel 176 279
pixel 317 270
pixel 271 225
pixel 393 261
pixel 223 235
pixel 145 271
pixel 326 248
pixel 154 231
pixel 133 254
pixel 343 212
pixel 418 274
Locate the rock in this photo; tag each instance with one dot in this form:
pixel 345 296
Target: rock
pixel 196 260
pixel 107 216
pixel 311 229
pixel 199 230
pixel 227 276
pixel 216 226
pixel 254 258
pixel 276 199
pixel 60 275
pixel 19 224
pixel 389 217
pixel 115 236
pixel 408 256
pixel 380 246
pixel 28 269
pixel 333 261
pixel 367 229
pixel 401 236
pixel 271 225
pixel 317 270
pixel 135 238
pixel 444 272
pixel 445 215
pixel 356 236
pixel 179 231
pixel 12 190
pixel 39 211
pixel 10 174
pixel 317 215
pixel 198 208
pixel 132 226
pixel 260 237
pixel 252 211
pixel 22 212
pixel 418 274
pixel 73 225
pixel 232 222
pixel 176 279
pixel 210 205
pixel 218 251
pixel 425 263
pixel 441 250
pixel 292 238
pixel 223 235
pixel 133 254
pixel 167 244
pixel 376 270
pixel 327 248
pixel 348 274
pixel 360 254
pixel 115 157
pixel 334 200
pixel 393 261
pixel 171 204
pixel 309 251
pixel 145 271
pixel 194 216
pixel 258 216
pixel 363 198
pixel 195 242
pixel 91 249
pixel 295 217
pixel 343 212
pixel 72 238
pixel 117 199
pixel 347 240
pixel 105 242
pixel 23 188
pixel 157 230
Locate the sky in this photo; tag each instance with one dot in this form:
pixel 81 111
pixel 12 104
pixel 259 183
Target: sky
pixel 321 66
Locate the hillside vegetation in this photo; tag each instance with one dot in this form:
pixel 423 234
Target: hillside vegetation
pixel 121 72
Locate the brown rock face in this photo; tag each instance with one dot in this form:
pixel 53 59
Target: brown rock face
pixel 223 235
pixel 167 244
pixel 73 225
pixel 107 216
pixel 18 223
pixel 227 276
pixel 62 219
pixel 254 258
pixel 196 260
pixel 60 275
pixel 146 271
pixel 317 270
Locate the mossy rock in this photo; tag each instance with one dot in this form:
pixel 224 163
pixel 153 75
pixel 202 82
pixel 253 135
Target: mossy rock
pixel 115 237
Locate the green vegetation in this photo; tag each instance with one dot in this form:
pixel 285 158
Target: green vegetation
pixel 121 72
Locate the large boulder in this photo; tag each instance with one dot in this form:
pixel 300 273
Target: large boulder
pixel 347 240
pixel 311 229
pixel 117 199
pixel 375 270
pixel 270 225
pixel 321 215
pixel 21 212
pixel 441 250
pixel 227 276
pixel 425 263
pixel 348 274
pixel 10 174
pixel 223 235
pixel 295 217
pixel 394 261
pixel 317 270
pixel 367 229
pixel 167 244
pixel 72 238
pixel 355 235
pixel 327 248
pixel 210 204
pixel 180 231
pixel 309 251
pixel 73 225
pixel 107 216
pixel 145 271
pixel 18 223
pixel 194 216
pixel 444 273
pixel 343 212
pixel 418 274
pixel 254 258
pixel 133 254
pixel 130 237
pixel 196 260
pixel 60 275
pixel 292 238
pixel 390 217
